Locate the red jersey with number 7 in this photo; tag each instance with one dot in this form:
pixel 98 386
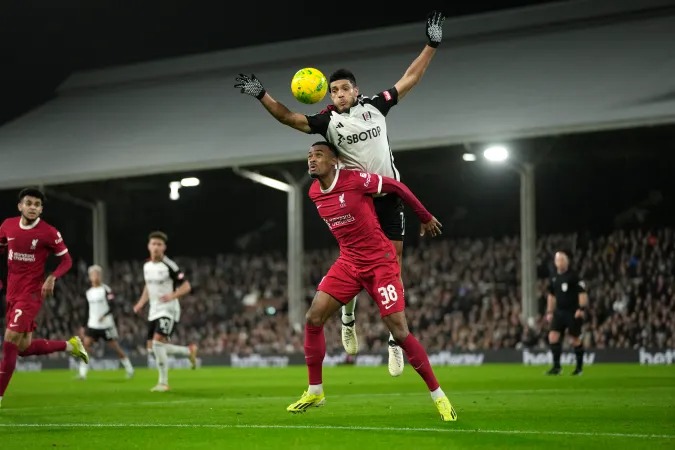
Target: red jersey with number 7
pixel 27 248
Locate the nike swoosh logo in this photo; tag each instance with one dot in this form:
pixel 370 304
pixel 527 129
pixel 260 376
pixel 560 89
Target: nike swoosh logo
pixel 389 306
pixel 10 239
pixel 319 206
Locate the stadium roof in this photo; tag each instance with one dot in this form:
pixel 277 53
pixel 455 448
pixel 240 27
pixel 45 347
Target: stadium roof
pixel 552 69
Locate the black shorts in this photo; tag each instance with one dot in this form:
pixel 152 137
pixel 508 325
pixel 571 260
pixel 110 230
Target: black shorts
pixel 389 210
pixel 163 325
pixel 107 334
pixel 565 320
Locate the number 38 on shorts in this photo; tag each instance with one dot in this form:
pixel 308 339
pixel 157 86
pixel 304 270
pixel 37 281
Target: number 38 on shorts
pixel 390 298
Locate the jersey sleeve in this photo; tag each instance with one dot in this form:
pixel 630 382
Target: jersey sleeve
pixel 384 100
pixel 318 123
pixel 175 272
pixel 55 242
pixel 550 288
pixel 110 297
pixel 581 285
pixel 109 294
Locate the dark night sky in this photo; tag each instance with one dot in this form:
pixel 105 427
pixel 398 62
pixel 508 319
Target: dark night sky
pixel 41 42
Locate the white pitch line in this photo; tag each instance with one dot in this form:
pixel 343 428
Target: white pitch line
pixel 333 427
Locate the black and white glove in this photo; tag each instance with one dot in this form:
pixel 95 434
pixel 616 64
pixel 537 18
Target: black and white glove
pixel 250 86
pixel 435 21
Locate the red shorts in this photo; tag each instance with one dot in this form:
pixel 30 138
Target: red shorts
pixel 21 315
pixel 382 282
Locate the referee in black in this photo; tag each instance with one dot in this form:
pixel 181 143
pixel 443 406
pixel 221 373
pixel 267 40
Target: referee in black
pixel 566 304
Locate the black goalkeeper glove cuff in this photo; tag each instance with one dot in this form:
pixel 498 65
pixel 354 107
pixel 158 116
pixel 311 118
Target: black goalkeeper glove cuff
pixel 434 30
pixel 250 86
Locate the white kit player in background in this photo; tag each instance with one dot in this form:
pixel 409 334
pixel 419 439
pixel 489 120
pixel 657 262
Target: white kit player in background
pixel 100 321
pixel 357 126
pixel 165 283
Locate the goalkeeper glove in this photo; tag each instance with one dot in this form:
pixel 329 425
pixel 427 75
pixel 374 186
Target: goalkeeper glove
pixel 435 28
pixel 250 86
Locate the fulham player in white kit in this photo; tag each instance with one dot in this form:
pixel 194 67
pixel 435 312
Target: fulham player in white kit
pixel 100 320
pixel 165 283
pixel 356 126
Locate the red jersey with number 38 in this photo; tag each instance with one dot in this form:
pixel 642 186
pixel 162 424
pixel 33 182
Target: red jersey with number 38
pixel 347 208
pixel 27 249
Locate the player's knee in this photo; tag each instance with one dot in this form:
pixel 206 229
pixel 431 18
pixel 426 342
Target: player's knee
pixel 314 317
pixel 14 338
pixel 553 338
pixel 398 327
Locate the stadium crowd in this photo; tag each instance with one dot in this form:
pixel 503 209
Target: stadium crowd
pixel 462 294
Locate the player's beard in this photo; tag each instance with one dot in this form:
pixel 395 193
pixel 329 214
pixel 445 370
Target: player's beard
pixel 28 219
pixel 313 175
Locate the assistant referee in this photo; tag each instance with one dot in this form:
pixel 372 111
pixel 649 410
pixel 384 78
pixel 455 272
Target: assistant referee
pixel 566 305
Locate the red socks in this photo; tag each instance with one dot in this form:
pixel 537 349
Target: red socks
pixel 9 353
pixel 418 358
pixel 43 347
pixel 315 351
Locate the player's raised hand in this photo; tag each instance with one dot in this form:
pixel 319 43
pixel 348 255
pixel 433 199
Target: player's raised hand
pixel 48 287
pixel 435 21
pixel 250 86
pixel 432 227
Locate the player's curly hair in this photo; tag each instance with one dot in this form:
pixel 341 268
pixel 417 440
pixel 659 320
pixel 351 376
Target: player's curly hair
pixel 32 192
pixel 342 74
pixel 158 235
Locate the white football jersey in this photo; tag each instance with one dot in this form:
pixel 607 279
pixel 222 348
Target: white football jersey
pixel 162 277
pixel 98 299
pixel 360 134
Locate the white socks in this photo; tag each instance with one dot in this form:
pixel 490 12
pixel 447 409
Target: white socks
pixel 348 311
pixel 315 389
pixel 179 350
pixel 438 393
pixel 127 365
pixel 84 368
pixel 162 360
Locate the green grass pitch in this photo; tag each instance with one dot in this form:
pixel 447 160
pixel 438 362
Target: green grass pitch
pixel 499 406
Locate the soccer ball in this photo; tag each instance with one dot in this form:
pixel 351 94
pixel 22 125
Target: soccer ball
pixel 309 85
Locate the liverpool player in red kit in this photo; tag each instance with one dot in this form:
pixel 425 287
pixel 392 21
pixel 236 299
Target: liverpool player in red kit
pixel 27 241
pixel 367 260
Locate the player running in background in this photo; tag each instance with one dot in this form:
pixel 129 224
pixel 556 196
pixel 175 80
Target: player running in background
pixel 165 283
pixel 28 241
pixel 367 260
pixel 357 126
pixel 565 307
pixel 100 321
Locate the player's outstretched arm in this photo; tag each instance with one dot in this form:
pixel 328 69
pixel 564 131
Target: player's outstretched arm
pixel 253 87
pixel 430 224
pixel 412 76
